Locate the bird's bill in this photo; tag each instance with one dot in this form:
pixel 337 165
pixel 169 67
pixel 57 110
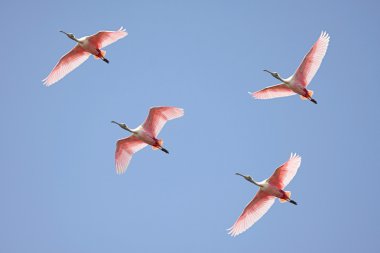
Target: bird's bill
pixel 248 178
pixel 239 174
pixel 268 71
pixel 116 123
pixel 64 33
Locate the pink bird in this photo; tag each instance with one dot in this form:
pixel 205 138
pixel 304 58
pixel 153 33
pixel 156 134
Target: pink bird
pixel 143 135
pixel 298 82
pixel 270 189
pixel 84 48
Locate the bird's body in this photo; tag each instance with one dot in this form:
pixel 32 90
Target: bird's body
pixel 143 135
pixel 273 190
pixel 297 83
pixel 270 189
pixel 86 46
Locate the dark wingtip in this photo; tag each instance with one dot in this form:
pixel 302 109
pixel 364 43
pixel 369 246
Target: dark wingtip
pixel 106 60
pixel 165 150
pixel 293 202
pixel 314 101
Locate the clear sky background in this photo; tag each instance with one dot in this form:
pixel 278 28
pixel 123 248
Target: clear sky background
pixel 58 188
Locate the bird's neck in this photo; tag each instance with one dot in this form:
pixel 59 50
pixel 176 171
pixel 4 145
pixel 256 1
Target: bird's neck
pixel 281 79
pixel 256 183
pixel 129 130
pixel 75 39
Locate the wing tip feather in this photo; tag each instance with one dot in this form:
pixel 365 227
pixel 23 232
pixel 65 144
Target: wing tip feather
pixel 232 231
pixel 123 30
pixel 252 94
pixel 325 36
pixel 294 156
pixel 46 82
pixel 120 169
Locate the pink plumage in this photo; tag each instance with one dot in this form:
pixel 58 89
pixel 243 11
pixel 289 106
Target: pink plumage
pixel 255 209
pixel 66 64
pixel 270 189
pixel 105 38
pixel 158 116
pixel 285 173
pixel 311 62
pixel 85 47
pixel 297 83
pixel 143 135
pixel 275 91
pixel 125 148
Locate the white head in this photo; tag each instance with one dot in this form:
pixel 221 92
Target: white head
pixel 248 178
pixel 122 125
pixel 274 74
pixel 70 35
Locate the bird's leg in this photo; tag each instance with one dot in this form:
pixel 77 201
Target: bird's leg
pixel 158 145
pixel 313 100
pixel 155 147
pixel 308 94
pixel 101 56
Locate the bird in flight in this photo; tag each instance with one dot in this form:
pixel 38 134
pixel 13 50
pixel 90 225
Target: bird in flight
pixel 86 46
pixel 297 83
pixel 143 135
pixel 269 190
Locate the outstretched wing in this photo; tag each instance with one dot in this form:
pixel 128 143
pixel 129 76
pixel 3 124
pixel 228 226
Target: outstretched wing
pixel 276 91
pixel 312 60
pixel 285 173
pixel 105 38
pixel 158 116
pixel 259 205
pixel 66 64
pixel 125 148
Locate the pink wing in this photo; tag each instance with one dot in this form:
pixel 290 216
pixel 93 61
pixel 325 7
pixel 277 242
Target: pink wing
pixel 125 148
pixel 259 205
pixel 285 173
pixel 66 64
pixel 312 60
pixel 158 116
pixel 105 38
pixel 276 91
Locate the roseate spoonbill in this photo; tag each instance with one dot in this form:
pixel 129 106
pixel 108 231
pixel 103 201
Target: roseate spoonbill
pixel 298 82
pixel 270 189
pixel 145 134
pixel 83 49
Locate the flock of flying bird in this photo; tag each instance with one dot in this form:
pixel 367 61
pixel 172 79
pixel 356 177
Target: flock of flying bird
pixel 146 133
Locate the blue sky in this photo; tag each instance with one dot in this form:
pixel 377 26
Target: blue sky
pixel 58 187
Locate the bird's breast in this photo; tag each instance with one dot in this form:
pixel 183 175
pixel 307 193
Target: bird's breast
pixel 88 46
pixel 296 87
pixel 272 190
pixel 145 137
